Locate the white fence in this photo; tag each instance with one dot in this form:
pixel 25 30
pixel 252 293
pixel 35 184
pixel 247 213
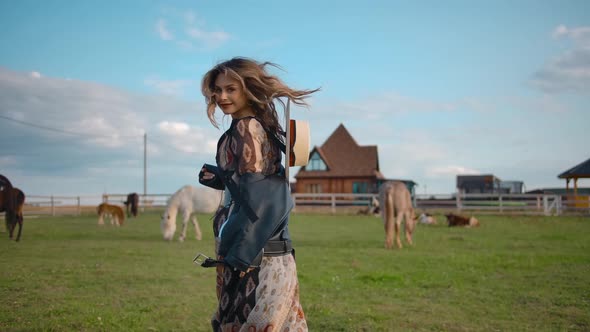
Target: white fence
pixel 338 203
pixel 76 205
pixel 495 203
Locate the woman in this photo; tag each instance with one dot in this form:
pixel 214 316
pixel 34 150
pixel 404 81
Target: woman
pixel 257 284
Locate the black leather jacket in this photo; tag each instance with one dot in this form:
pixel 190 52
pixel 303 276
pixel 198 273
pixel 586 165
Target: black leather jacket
pixel 263 203
pixel 243 239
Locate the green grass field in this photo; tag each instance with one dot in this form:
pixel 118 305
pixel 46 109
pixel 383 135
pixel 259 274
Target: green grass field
pixel 511 274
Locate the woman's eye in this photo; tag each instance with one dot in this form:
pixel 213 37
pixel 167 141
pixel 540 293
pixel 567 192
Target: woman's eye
pixel 230 90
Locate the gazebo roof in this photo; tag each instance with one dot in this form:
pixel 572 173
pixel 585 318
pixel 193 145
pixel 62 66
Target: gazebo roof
pixel 579 171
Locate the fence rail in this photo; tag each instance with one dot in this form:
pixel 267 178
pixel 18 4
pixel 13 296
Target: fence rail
pixel 338 203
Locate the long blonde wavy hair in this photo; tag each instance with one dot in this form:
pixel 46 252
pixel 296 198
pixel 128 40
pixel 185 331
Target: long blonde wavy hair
pixel 261 88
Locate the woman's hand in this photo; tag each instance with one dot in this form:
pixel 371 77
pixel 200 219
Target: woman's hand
pixel 206 174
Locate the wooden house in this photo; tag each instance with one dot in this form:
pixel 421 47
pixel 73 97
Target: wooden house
pixel 340 165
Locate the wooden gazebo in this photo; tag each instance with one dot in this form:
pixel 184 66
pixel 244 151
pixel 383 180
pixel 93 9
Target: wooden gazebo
pixel 581 171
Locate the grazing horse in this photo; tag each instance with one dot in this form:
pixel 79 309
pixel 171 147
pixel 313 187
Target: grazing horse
pixel 115 212
pixel 396 202
pixel 131 203
pixel 12 201
pixel 188 200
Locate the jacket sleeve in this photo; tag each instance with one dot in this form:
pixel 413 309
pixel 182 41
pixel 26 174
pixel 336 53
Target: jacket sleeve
pixel 216 182
pixel 242 239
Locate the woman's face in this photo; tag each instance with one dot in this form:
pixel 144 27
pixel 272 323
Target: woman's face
pixel 230 97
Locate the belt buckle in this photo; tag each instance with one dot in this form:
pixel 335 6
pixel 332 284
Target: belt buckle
pixel 200 259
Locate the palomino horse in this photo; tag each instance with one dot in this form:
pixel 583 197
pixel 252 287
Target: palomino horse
pixel 131 203
pixel 12 201
pixel 396 202
pixel 188 200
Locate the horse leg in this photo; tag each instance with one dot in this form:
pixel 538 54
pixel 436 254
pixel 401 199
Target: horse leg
pixel 398 223
pixel 20 227
pixel 388 232
pixel 198 234
pixel 388 221
pixel 185 217
pixel 11 227
pixel 409 228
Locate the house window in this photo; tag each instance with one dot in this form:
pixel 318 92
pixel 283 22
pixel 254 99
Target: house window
pixel 314 188
pixel 360 187
pixel 316 163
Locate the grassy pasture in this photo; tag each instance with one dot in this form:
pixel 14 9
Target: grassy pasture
pixel 514 273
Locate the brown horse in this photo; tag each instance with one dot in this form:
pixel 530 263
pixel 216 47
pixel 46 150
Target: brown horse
pixel 396 202
pixel 114 212
pixel 12 201
pixel 132 202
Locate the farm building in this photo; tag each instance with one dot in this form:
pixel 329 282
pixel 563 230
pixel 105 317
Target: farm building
pixel 580 171
pixel 478 184
pixel 340 165
pixel 487 184
pixel 511 187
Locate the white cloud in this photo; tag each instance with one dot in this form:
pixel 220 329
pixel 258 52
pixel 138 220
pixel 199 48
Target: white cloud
pixel 210 39
pixel 6 161
pixel 570 71
pixel 35 74
pixel 174 128
pixel 73 128
pixel 450 170
pixel 580 35
pixel 163 31
pixel 196 32
pixel 168 87
pixel 183 137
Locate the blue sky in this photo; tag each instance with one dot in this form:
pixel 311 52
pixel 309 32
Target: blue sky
pixel 442 88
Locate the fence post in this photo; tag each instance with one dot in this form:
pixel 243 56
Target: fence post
pixel 546 205
pixel 52 206
pixel 333 204
pixel 500 201
pixel 538 202
pixel 458 200
pixel 79 207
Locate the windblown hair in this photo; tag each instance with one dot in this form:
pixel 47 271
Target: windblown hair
pixel 261 88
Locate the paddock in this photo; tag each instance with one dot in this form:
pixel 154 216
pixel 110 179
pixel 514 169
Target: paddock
pixel 523 272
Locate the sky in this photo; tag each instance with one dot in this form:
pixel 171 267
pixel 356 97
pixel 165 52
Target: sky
pixel 441 88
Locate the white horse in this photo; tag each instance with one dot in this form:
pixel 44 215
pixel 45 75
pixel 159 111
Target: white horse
pixel 188 200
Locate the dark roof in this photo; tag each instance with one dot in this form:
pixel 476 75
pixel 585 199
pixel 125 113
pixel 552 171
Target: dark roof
pixel 559 191
pixel 579 171
pixel 345 158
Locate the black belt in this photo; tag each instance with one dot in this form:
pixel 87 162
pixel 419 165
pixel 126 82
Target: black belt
pixel 272 249
pixel 278 248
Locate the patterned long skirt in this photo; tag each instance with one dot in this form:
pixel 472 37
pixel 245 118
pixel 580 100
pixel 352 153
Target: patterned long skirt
pixel 265 299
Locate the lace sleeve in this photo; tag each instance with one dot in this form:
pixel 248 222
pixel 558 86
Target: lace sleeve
pixel 252 147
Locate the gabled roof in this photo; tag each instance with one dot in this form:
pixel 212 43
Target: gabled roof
pixel 579 171
pixel 345 158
